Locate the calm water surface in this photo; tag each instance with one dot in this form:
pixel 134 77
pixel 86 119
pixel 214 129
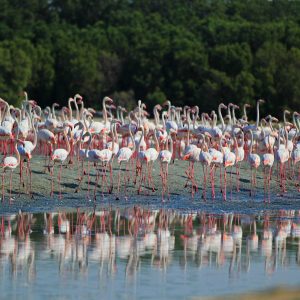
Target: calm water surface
pixel 137 253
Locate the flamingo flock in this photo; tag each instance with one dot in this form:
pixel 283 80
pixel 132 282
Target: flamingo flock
pixel 211 143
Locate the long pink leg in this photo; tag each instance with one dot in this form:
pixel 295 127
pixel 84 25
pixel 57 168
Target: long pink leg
pixel 204 183
pixel 225 186
pixel 10 186
pixel 269 183
pixel 265 183
pixel 59 181
pixel 167 184
pixel 30 177
pixel 238 177
pixel 3 175
pixel 119 178
pixel 212 180
pixel 88 189
pixel 52 181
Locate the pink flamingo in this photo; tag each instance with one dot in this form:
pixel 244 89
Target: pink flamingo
pixel 60 155
pixel 26 151
pixel 10 162
pixel 229 159
pixel 47 137
pixel 254 161
pixel 267 162
pixel 282 156
pixel 165 157
pixel 152 154
pixel 124 155
pixel 205 159
pixel 217 158
pixel 240 156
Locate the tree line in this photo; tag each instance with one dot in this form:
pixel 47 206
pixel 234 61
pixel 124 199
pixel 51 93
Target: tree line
pixel 189 51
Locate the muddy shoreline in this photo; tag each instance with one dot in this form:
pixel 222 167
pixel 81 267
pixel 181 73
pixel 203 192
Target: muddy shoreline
pixel 180 197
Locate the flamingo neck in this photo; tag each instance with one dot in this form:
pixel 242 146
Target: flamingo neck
pixel 104 111
pixel 132 139
pixel 257 114
pixel 70 109
pixel 245 117
pixel 221 118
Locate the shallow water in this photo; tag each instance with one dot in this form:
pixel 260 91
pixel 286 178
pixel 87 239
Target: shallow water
pixel 136 253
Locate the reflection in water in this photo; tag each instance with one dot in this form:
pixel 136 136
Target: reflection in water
pixel 139 237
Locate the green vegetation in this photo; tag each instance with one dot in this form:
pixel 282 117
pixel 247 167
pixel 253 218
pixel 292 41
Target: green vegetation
pixel 192 52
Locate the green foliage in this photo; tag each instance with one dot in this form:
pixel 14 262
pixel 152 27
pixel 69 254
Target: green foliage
pixel 191 52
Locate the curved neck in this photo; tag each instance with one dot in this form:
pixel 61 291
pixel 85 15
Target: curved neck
pixel 53 112
pixel 257 114
pixel 221 118
pixel 233 115
pixel 70 109
pixel 284 118
pixel 113 137
pixel 155 115
pixel 34 132
pixel 131 136
pixel 188 133
pixel 77 110
pixel 245 117
pixel 156 141
pixel 122 116
pixel 81 109
pixel 104 111
pixel 229 114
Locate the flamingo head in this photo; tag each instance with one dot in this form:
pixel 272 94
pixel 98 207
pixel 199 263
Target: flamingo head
pixel 28 155
pixel 108 100
pixel 261 101
pixel 222 105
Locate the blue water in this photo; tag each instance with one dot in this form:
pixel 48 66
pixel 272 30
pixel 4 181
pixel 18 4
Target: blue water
pixel 141 254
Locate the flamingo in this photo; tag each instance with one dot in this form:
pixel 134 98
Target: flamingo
pixel 254 161
pixel 124 155
pixel 11 163
pixel 26 151
pixel 165 157
pixel 229 160
pixel 60 155
pixel 282 156
pixel 267 162
pixel 152 154
pixel 205 159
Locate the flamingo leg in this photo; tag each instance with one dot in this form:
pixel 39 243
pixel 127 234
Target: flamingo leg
pixel 59 180
pixel 10 187
pixel 225 186
pixel 52 181
pixel 3 193
pixel 119 178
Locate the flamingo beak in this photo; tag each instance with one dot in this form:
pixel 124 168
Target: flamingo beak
pixel 186 157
